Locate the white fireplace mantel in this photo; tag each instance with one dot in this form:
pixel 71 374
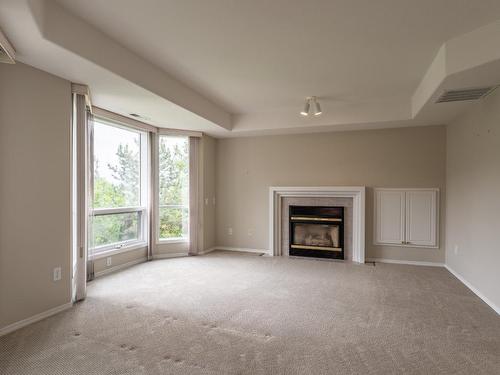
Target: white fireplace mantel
pixel 357 193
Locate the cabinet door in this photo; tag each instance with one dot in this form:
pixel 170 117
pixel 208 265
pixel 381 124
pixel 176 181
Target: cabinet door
pixel 389 216
pixel 421 218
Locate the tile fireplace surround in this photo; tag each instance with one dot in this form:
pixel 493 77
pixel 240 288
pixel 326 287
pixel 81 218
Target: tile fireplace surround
pixel 350 197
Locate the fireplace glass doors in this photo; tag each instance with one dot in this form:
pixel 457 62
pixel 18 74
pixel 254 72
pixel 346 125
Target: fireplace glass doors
pixel 317 231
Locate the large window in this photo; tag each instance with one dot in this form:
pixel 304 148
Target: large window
pixel 173 188
pixel 120 187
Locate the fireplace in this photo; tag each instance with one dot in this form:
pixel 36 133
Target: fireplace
pixel 317 231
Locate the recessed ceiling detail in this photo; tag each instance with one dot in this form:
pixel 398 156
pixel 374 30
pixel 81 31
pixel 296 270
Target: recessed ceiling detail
pixel 236 69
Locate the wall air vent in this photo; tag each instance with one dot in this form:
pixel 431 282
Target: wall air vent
pixel 7 53
pixel 465 94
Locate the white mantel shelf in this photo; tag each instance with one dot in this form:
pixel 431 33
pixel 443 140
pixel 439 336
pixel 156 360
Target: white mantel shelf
pixel 357 193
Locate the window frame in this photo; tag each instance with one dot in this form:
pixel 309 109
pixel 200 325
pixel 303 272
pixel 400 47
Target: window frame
pixel 157 206
pixel 96 252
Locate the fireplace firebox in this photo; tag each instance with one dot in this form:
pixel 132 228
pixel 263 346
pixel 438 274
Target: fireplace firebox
pixel 317 232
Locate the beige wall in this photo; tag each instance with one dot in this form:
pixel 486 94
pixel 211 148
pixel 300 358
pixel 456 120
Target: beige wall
pixel 119 260
pixel 35 115
pixel 246 167
pixel 473 200
pixel 209 172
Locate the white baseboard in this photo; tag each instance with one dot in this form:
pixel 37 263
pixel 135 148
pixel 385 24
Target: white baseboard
pixel 243 249
pixel 33 319
pixel 206 251
pixel 119 267
pixel 409 262
pixel 169 255
pixel 473 289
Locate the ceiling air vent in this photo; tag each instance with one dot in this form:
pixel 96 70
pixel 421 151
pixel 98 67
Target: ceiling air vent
pixel 7 53
pixel 465 94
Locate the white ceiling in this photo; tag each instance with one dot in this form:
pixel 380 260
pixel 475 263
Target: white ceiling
pixel 252 56
pixel 257 60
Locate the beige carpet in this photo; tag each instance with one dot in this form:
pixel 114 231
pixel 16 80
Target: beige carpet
pixel 226 313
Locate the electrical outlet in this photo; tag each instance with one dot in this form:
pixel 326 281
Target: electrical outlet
pixel 230 231
pixel 206 201
pixel 109 262
pixel 250 233
pixel 57 274
pixel 455 249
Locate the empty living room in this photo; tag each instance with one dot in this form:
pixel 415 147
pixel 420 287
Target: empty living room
pixel 249 187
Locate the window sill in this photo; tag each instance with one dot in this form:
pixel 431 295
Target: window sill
pixel 172 240
pixel 124 249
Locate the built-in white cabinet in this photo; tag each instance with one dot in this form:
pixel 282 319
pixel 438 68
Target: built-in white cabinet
pixel 406 217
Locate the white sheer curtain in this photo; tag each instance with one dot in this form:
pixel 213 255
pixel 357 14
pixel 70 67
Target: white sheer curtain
pixel 194 211
pixel 81 182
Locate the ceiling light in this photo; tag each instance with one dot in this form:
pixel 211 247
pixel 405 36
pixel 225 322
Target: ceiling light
pixel 317 108
pixel 307 106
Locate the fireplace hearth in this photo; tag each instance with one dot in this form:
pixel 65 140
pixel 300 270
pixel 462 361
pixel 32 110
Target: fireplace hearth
pixel 317 231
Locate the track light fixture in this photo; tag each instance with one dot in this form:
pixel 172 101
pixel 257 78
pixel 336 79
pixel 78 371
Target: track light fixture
pixel 307 106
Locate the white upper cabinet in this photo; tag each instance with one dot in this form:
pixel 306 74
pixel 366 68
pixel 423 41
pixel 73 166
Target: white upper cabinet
pixel 406 217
